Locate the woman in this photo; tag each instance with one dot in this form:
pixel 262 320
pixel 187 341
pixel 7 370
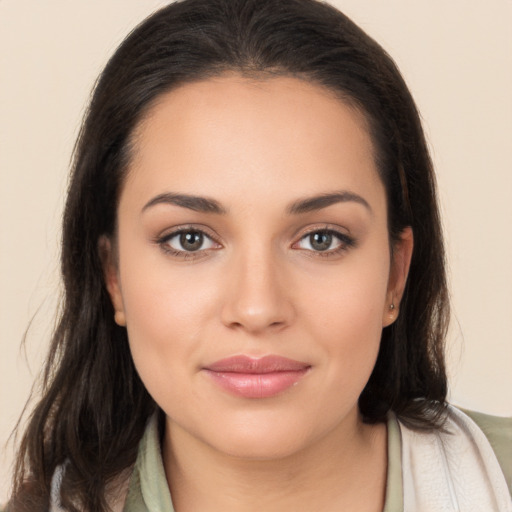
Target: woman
pixel 255 286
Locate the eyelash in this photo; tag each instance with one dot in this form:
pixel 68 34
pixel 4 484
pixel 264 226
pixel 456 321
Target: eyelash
pixel 346 242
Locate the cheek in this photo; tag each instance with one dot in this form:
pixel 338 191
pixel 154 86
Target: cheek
pixel 161 298
pixel 350 297
pixel 166 312
pixel 343 313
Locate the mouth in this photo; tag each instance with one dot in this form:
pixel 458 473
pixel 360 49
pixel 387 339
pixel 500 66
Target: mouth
pixel 256 378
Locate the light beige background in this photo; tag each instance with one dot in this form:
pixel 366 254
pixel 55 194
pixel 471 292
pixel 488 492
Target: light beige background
pixel 457 58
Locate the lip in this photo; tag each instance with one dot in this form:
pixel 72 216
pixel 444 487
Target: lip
pixel 256 377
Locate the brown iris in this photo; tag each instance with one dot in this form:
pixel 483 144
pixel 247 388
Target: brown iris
pixel 321 240
pixel 191 240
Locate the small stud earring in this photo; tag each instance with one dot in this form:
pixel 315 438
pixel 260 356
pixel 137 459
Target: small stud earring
pixel 120 319
pixel 392 307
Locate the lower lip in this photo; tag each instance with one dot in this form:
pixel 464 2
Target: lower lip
pixel 256 385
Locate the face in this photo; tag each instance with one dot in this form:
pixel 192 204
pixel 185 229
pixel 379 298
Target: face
pixel 253 268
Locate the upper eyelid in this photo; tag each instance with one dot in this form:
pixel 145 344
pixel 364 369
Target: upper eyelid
pixel 343 237
pixel 171 232
pixel 337 230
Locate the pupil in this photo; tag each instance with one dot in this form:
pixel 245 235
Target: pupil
pixel 191 241
pixel 321 241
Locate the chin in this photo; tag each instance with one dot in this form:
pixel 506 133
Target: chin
pixel 264 449
pixel 261 440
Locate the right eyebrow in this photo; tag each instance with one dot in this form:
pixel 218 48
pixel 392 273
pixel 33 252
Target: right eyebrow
pixel 321 201
pixel 196 203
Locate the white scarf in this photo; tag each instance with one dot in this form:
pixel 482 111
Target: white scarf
pixel 452 471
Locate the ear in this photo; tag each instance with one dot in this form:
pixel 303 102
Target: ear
pixel 110 266
pixel 400 262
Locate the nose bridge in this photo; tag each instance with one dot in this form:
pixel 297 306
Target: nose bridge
pixel 256 297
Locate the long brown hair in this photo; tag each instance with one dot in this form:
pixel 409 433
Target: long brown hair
pixel 94 407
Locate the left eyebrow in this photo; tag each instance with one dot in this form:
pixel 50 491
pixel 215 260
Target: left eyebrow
pixel 196 203
pixel 320 201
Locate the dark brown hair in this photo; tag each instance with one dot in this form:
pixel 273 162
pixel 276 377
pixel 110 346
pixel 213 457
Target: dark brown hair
pixel 94 407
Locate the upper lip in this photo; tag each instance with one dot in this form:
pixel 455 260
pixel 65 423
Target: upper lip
pixel 266 364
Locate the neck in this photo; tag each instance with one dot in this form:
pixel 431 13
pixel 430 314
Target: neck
pixel 344 470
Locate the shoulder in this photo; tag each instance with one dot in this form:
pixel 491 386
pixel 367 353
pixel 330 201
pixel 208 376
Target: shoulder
pixel 498 431
pixel 458 462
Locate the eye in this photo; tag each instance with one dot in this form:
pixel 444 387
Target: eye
pixel 187 240
pixel 325 240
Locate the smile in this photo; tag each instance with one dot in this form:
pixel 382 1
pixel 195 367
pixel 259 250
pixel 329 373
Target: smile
pixel 256 378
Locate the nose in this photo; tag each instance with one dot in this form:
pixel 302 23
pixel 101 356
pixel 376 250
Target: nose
pixel 257 298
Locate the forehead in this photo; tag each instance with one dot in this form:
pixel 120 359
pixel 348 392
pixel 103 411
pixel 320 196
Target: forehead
pixel 231 134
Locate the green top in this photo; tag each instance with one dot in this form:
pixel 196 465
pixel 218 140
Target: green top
pixel 499 433
pixel 149 490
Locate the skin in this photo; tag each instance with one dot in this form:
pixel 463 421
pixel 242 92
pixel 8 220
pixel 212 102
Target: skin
pixel 258 286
